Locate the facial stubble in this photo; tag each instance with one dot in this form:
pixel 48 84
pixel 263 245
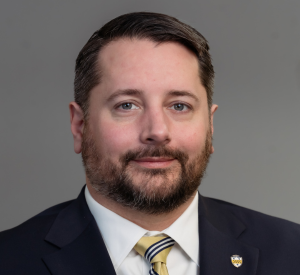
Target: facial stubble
pixel 160 191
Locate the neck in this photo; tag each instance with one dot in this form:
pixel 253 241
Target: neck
pixel 146 221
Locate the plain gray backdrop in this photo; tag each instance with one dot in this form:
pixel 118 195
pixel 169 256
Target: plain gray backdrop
pixel 255 49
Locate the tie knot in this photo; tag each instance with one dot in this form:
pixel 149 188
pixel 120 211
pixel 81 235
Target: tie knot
pixel 155 249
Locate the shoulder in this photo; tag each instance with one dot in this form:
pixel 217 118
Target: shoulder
pixel 38 222
pixel 277 241
pixel 26 241
pixel 257 220
pixel 262 230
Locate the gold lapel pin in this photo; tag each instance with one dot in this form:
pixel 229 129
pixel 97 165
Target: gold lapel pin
pixel 236 260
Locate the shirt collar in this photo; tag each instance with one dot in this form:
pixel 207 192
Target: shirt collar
pixel 119 234
pixel 185 231
pixel 121 239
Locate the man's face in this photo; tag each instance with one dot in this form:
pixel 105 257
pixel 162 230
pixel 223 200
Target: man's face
pixel 147 140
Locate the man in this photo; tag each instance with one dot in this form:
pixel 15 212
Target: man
pixel 143 121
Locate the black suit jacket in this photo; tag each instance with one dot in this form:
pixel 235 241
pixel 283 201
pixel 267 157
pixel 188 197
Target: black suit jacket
pixel 65 240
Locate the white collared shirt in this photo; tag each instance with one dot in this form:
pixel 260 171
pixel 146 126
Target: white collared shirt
pixel 121 235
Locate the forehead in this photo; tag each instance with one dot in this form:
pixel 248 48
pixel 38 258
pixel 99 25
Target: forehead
pixel 136 63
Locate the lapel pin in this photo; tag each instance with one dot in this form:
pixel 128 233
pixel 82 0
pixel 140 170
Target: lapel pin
pixel 236 260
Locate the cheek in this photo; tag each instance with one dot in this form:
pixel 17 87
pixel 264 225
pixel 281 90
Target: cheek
pixel 115 140
pixel 191 139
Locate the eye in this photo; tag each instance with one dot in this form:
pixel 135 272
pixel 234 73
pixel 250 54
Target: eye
pixel 128 106
pixel 180 107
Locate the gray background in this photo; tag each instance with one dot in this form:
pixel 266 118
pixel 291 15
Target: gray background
pixel 255 48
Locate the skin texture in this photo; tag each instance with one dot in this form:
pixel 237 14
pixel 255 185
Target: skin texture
pixel 153 79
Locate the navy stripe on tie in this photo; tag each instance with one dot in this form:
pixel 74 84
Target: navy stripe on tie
pixel 162 247
pixel 152 271
pixel 155 244
pixel 158 247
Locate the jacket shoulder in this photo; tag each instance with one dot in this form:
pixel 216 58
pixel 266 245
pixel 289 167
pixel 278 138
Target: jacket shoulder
pixel 254 218
pixel 18 242
pixel 262 230
pixel 277 240
pixel 39 219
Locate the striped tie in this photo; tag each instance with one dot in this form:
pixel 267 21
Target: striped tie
pixel 155 250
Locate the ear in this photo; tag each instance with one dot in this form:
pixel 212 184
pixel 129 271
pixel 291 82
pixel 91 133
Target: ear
pixel 77 125
pixel 214 108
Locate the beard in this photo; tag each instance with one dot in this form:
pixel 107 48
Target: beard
pixel 150 191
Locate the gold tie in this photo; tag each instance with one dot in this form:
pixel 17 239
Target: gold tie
pixel 155 250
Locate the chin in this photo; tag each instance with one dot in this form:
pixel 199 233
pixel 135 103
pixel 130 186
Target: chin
pixel 157 185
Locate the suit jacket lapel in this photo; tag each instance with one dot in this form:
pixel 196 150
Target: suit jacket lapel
pixel 219 230
pixel 82 250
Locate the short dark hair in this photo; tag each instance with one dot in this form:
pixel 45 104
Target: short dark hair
pixel 141 25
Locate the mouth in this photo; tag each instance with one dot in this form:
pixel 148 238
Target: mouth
pixel 154 162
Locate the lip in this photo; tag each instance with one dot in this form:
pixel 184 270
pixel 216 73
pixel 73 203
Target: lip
pixel 154 162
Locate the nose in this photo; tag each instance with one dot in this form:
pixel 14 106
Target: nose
pixel 155 128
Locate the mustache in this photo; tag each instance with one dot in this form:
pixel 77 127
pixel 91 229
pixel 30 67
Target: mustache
pixel 162 151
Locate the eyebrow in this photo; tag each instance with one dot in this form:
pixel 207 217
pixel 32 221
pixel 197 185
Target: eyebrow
pixel 135 92
pixel 183 93
pixel 124 92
